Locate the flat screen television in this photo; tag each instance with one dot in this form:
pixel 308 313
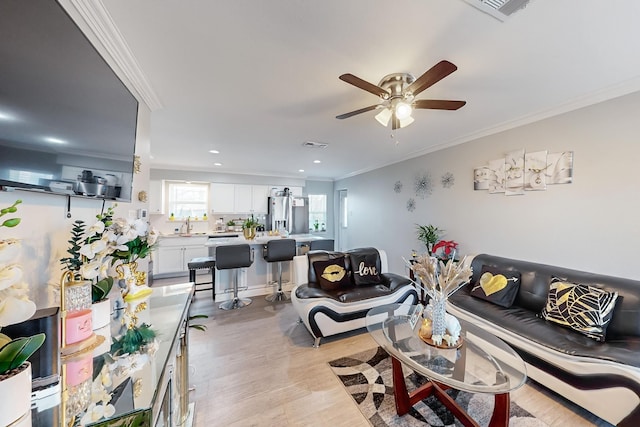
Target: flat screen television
pixel 67 122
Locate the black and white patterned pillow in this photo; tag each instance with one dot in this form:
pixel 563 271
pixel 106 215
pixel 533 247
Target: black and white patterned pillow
pixel 583 308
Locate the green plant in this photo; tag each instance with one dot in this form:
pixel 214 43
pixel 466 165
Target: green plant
pixel 14 353
pixel 429 235
pixel 132 340
pixel 12 222
pixel 75 261
pixel 231 223
pixel 101 288
pixel 250 222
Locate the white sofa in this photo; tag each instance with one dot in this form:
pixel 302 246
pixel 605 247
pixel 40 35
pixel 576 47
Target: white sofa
pixel 326 313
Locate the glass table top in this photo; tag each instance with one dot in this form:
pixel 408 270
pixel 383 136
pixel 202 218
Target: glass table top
pixel 483 363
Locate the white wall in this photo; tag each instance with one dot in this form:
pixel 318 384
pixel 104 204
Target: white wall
pixel 591 224
pixel 45 229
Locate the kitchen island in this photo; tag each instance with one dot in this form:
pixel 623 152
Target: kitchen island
pixel 258 279
pixel 174 251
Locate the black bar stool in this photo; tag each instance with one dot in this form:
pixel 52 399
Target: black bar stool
pixel 279 250
pixel 234 257
pixel 202 263
pixel 321 245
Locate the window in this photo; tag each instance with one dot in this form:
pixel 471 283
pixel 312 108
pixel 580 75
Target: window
pixel 187 199
pixel 317 212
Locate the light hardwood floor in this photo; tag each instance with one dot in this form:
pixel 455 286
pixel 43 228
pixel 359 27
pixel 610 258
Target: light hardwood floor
pixel 256 367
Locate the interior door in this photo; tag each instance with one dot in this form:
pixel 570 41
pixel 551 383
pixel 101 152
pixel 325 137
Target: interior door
pixel 343 215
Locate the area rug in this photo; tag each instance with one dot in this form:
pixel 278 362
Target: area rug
pixel 367 378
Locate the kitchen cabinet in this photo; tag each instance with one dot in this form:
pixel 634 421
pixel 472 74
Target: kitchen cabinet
pixel 222 198
pixel 259 198
pixel 156 196
pixel 295 191
pixel 174 253
pixel 243 198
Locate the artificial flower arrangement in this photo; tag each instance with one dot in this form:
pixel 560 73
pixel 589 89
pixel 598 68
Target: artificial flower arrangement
pixel 440 281
pixel 107 243
pixel 15 305
pixel 448 247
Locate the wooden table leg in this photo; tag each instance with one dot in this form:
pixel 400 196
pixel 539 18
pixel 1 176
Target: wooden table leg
pixel 405 400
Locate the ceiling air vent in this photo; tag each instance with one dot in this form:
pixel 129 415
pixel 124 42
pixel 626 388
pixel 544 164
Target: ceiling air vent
pixel 499 9
pixel 312 144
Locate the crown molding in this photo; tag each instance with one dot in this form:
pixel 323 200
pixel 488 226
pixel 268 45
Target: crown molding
pixel 97 19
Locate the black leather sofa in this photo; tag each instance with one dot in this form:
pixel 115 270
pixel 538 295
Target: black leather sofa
pixel 602 377
pixel 327 312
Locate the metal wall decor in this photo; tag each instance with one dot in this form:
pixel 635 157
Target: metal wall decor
pixel 447 180
pixel 397 187
pixel 411 204
pixel 423 185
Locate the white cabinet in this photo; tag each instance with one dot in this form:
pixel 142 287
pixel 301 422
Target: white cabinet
pixel 222 198
pixel 259 196
pixel 156 196
pixel 174 253
pixel 243 198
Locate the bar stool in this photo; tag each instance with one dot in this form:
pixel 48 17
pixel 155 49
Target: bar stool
pixel 203 263
pixel 234 257
pixel 321 245
pixel 279 250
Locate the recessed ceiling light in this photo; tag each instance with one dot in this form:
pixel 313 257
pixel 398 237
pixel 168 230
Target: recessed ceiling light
pixel 317 161
pixel 214 151
pixel 217 164
pixel 55 140
pixel 300 170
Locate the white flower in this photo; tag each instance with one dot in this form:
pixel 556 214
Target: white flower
pixel 10 275
pixel 91 270
pixel 140 227
pixel 14 307
pixel 97 228
pixel 91 249
pixel 152 237
pixel 9 249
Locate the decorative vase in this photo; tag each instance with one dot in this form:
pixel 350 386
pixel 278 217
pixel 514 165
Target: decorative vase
pixel 101 313
pixel 249 233
pixel 131 281
pixel 17 384
pixel 438 315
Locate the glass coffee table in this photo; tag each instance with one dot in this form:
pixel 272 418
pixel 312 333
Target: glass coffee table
pixel 482 363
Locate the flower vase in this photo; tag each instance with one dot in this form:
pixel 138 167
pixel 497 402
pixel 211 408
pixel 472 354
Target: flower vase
pixel 17 384
pixel 132 282
pixel 438 315
pixel 249 233
pixel 101 313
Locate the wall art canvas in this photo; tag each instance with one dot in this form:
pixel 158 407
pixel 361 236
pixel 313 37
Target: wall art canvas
pixel 535 171
pixel 496 176
pixel 481 176
pixel 560 169
pixel 514 172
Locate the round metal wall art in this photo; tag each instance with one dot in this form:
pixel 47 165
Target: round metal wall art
pixel 411 205
pixel 448 180
pixel 397 187
pixel 423 185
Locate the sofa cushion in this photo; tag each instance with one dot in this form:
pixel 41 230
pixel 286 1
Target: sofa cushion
pixel 332 273
pixel 497 285
pixel 585 309
pixel 366 268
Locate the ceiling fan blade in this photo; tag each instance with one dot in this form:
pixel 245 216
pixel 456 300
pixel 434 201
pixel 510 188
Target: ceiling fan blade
pixel 395 122
pixel 438 104
pixel 432 76
pixel 360 111
pixel 364 85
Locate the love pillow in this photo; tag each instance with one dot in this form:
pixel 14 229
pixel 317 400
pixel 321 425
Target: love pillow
pixel 497 286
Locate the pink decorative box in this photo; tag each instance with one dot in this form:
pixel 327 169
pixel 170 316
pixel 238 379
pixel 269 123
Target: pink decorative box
pixel 79 370
pixel 78 326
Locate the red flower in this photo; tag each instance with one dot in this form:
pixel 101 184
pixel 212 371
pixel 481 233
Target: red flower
pixel 448 246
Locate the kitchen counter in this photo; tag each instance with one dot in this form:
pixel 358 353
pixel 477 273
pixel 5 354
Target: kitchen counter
pixel 260 240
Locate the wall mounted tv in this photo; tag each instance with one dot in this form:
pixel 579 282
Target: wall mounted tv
pixel 67 122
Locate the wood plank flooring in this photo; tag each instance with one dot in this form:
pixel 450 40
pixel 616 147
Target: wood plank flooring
pixel 256 367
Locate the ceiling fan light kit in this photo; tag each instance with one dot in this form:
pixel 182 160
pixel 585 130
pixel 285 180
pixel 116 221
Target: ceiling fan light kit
pixel 397 92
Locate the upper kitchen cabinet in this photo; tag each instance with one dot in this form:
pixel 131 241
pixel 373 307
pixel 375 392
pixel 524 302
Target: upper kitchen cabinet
pixel 156 196
pixel 259 198
pixel 243 198
pixel 222 198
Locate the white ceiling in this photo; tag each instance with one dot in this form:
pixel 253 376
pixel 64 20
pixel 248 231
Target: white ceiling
pixel 255 79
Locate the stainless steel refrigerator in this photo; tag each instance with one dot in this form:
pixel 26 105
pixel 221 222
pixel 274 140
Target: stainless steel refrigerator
pixel 288 212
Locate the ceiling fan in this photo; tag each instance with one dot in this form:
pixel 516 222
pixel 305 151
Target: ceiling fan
pixel 397 92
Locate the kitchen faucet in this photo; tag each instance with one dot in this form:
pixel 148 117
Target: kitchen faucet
pixel 187 225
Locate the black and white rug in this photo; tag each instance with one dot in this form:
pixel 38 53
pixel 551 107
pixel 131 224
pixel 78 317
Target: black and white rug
pixel 367 377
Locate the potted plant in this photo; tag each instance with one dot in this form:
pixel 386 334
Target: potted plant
pixel 89 259
pixel 231 225
pixel 15 307
pixel 249 228
pixel 429 235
